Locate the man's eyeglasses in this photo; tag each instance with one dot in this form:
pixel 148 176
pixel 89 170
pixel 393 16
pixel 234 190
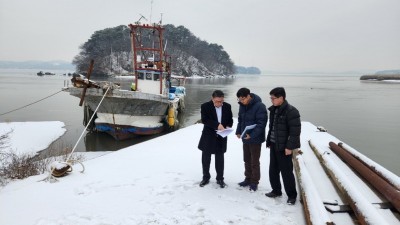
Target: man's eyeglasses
pixel 240 99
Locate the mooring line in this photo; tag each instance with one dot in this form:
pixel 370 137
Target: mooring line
pixel 94 113
pixel 30 104
pixel 51 177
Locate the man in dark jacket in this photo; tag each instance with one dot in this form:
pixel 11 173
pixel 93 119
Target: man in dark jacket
pixel 215 115
pixel 283 138
pixel 251 112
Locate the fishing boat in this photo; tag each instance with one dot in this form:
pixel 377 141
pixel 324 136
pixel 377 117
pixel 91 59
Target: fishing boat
pixel 150 106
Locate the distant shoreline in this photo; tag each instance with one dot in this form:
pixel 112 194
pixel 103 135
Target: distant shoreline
pixel 380 77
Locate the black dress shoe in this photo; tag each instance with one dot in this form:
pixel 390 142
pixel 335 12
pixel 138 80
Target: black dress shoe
pixel 291 201
pixel 204 183
pixel 221 183
pixel 272 194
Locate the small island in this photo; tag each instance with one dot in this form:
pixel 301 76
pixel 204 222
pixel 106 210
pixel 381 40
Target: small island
pixel 383 75
pixel 247 70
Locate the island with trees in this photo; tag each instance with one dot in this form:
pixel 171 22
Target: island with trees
pixel 383 75
pixel 190 56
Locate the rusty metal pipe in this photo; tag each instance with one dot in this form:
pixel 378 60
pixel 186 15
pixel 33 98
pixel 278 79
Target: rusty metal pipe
pixel 360 216
pixel 381 185
pixel 390 177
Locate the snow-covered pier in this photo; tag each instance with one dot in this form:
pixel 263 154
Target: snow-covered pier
pixel 346 196
pixel 157 182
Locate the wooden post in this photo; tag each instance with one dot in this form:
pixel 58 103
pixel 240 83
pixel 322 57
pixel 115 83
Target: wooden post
pixel 86 86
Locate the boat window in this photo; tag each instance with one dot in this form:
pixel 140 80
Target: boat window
pixel 141 76
pixel 148 76
pixel 156 77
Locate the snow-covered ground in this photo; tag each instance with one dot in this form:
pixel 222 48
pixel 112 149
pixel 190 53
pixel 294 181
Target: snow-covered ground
pixel 31 137
pixel 157 182
pixel 154 182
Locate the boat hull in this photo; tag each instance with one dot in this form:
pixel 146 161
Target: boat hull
pixel 124 102
pixel 124 132
pixel 125 114
pixel 123 127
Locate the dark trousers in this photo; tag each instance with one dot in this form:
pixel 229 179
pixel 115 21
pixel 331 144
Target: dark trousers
pixel 281 163
pixel 219 165
pixel 251 158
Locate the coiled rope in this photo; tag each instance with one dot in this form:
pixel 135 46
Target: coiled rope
pixel 30 104
pixel 67 165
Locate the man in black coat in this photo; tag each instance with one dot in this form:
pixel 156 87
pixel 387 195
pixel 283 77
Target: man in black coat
pixel 215 115
pixel 283 138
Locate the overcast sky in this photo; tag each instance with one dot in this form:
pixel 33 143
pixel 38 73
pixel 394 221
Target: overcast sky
pixel 274 35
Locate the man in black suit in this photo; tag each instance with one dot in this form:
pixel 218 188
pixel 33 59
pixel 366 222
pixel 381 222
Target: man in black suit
pixel 215 115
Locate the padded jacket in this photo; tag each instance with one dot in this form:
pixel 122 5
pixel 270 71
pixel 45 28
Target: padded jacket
pixel 287 127
pixel 253 113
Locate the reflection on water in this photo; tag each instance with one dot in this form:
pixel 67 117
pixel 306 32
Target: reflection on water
pixel 364 115
pixel 98 141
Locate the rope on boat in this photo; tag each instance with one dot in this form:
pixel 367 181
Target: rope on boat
pixel 59 172
pixel 30 104
pixel 94 113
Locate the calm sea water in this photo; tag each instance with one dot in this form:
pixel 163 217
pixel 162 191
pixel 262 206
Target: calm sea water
pixel 364 115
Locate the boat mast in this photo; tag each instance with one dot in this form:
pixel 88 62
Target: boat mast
pixel 156 51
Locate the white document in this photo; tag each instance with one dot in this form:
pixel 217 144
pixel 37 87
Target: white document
pixel 248 128
pixel 225 132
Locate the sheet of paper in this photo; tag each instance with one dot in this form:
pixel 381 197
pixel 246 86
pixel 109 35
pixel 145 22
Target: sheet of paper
pixel 224 133
pixel 247 128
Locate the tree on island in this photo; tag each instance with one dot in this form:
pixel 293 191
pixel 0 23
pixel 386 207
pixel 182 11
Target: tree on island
pixel 247 70
pixel 111 50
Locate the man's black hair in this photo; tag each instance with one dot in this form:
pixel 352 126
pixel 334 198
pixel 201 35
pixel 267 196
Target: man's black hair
pixel 278 92
pixel 242 92
pixel 218 94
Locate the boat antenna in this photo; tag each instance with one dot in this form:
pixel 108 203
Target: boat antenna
pixel 141 17
pixel 165 46
pixel 151 10
pixel 161 19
